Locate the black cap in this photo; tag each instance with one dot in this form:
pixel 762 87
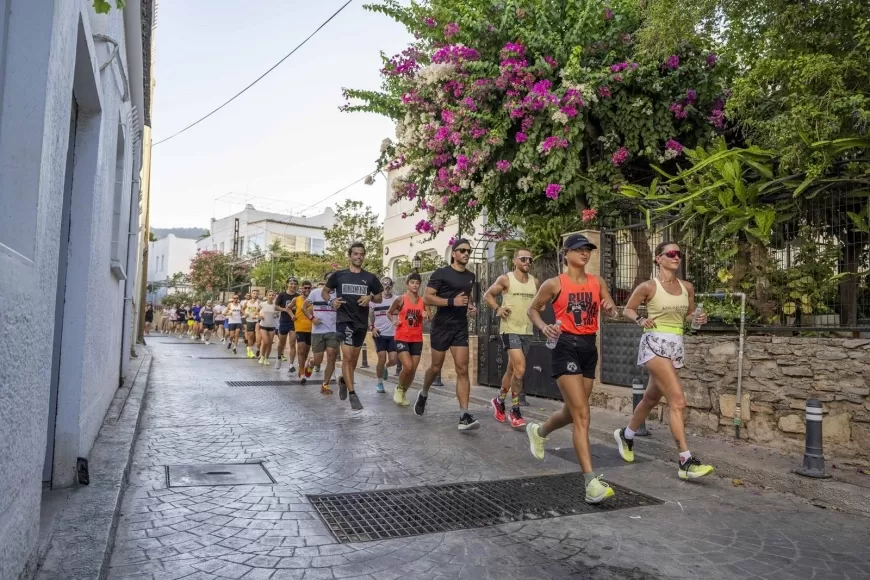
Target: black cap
pixel 577 241
pixel 292 279
pixel 458 242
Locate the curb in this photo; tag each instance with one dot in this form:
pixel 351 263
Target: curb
pixel 81 543
pixel 823 493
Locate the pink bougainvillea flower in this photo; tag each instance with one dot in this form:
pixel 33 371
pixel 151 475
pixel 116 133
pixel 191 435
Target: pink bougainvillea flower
pixel 619 156
pixel 551 61
pixel 503 165
pixel 679 111
pixel 471 203
pixel 691 96
pixel 711 59
pixel 717 118
pixel 469 102
pixel 553 142
pixel 570 111
pixel 673 62
pixel 430 22
pixel 514 48
pixel 521 137
pixel 452 29
pixel 674 146
pixel 608 14
pixel 589 214
pixel 617 78
pixel 604 92
pixel 552 191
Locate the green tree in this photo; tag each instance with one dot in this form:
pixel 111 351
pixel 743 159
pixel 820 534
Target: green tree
pixel 355 222
pixel 428 263
pixel 803 68
pixel 104 6
pixel 151 236
pixel 212 271
pixel 533 108
pixel 273 271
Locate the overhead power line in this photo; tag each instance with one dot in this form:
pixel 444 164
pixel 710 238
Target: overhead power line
pixel 258 79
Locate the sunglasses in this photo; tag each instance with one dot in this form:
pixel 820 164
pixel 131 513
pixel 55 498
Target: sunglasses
pixel 306 287
pixel 463 250
pixel 525 259
pixel 672 254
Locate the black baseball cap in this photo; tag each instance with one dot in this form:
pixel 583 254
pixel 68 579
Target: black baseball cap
pixel 458 242
pixel 292 279
pixel 577 241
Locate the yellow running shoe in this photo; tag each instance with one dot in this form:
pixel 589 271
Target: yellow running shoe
pixel 693 469
pixel 405 401
pixel 624 445
pixel 536 442
pixel 597 491
pixel 266 362
pixel 261 360
pixel 397 396
pixel 325 390
pixel 250 353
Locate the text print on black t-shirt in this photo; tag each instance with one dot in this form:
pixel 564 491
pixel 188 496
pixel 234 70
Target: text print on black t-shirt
pixel 354 289
pixel 583 307
pixel 350 287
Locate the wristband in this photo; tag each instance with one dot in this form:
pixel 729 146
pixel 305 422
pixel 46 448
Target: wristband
pixel 450 302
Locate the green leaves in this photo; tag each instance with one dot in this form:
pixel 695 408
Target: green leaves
pixel 103 6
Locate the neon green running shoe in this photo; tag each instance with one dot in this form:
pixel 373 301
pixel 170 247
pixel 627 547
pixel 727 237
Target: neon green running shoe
pixel 625 446
pixel 536 442
pixel 597 491
pixel 694 469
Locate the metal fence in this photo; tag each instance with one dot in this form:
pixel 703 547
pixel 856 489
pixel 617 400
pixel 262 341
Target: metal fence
pixel 811 277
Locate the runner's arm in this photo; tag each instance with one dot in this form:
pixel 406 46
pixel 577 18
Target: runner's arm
pixel 545 295
pixel 395 308
pixel 607 303
pixel 640 295
pixel 431 299
pixel 500 285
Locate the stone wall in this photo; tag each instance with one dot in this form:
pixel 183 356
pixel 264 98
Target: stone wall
pixel 779 375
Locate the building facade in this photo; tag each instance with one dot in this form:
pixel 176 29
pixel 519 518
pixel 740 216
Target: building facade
pixel 402 241
pixel 71 123
pixel 258 230
pixel 166 257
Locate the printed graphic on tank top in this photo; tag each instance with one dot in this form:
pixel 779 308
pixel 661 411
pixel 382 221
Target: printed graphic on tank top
pixel 578 305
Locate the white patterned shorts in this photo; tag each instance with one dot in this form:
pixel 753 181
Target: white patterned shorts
pixel 663 344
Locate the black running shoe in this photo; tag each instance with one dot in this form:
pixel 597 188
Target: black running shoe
pixel 234 350
pixel 468 422
pixel 258 353
pixel 420 405
pixel 302 381
pixel 229 345
pixel 292 369
pixel 342 388
pixel 354 402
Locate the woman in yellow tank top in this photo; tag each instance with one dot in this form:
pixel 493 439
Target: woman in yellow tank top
pixel 669 301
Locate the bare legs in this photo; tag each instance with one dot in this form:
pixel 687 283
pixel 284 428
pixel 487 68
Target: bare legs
pixel 349 356
pixel 575 392
pixel 663 382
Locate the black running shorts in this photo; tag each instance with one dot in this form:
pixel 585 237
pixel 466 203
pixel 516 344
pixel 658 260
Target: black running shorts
pixel 575 354
pixel 412 348
pixel 350 334
pixel 443 338
pixel 304 338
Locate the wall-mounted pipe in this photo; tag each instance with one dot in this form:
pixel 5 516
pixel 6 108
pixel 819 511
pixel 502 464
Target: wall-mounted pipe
pixel 737 407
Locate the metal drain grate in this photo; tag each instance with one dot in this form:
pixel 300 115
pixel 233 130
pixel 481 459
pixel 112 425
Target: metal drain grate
pixel 225 357
pixel 398 513
pixel 189 343
pixel 260 383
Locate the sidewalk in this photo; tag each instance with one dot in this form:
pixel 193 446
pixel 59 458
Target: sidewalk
pixel 314 444
pixel 734 459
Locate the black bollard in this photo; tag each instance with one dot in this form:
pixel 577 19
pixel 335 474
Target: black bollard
pixel 637 389
pixel 814 458
pixel 437 382
pixel 365 357
pixel 523 401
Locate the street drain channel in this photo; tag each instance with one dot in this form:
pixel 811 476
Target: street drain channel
pixel 399 513
pixel 260 383
pixel 217 474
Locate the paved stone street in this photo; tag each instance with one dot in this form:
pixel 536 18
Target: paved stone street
pixel 313 444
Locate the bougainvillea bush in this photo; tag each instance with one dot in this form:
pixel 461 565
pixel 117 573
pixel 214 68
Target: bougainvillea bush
pixel 533 108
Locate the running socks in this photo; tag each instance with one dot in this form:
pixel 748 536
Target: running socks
pixel 515 401
pixel 684 456
pixel 463 411
pixel 587 477
pixel 502 395
pixel 628 433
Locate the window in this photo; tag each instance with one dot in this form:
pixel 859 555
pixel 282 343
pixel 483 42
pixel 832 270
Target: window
pixel 241 246
pixel 120 208
pixel 318 246
pixel 222 247
pixel 257 241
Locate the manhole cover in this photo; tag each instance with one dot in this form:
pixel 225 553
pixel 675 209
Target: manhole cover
pixel 217 474
pixel 397 513
pixel 261 383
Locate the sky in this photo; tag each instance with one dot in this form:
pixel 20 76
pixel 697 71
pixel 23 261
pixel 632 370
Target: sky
pixel 283 145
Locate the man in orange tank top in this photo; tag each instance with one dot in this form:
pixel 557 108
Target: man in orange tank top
pixel 577 299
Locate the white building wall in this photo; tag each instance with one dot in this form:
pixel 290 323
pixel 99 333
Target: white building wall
pixel 47 54
pixel 263 226
pixel 401 239
pixel 169 255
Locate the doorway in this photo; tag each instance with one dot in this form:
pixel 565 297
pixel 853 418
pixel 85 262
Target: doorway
pixel 60 295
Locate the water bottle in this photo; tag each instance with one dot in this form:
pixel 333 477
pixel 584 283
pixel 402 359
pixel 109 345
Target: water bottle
pixel 696 326
pixel 551 342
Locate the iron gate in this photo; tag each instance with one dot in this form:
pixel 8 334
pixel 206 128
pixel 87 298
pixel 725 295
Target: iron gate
pixel 626 262
pixel 491 358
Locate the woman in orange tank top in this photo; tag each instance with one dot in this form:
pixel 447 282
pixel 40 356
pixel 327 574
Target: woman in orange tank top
pixel 577 299
pixel 407 313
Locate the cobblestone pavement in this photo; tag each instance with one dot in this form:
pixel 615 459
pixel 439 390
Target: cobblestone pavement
pixel 315 444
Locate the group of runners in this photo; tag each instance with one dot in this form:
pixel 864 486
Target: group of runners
pixel 348 303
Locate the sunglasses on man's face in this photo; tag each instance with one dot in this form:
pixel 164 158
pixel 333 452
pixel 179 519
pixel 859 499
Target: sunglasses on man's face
pixel 306 287
pixel 672 254
pixel 525 259
pixel 463 250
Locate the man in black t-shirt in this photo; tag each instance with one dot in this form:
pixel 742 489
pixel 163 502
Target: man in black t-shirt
pixel 182 314
pixel 355 288
pixel 450 289
pixel 285 304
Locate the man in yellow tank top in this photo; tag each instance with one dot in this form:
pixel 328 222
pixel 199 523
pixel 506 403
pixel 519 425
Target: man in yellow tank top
pixel 517 289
